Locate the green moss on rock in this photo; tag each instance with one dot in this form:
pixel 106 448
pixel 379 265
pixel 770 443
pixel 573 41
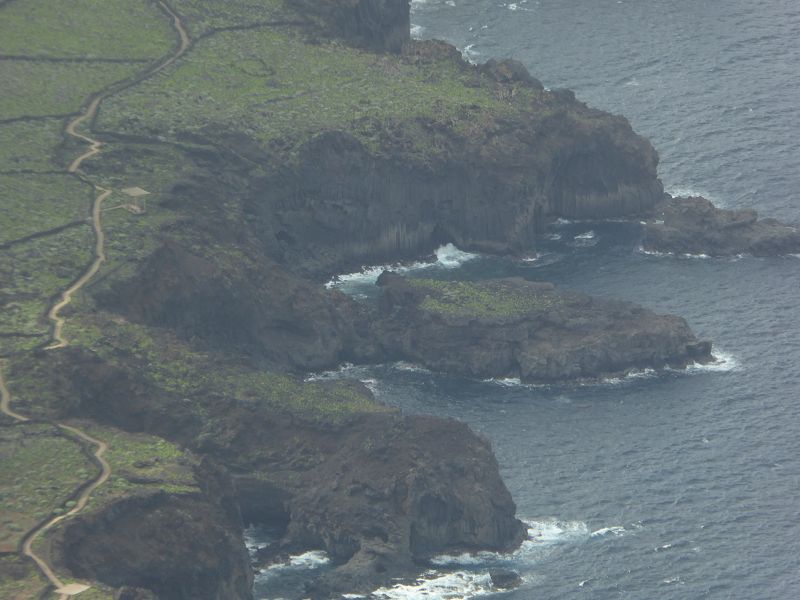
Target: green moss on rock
pixel 481 300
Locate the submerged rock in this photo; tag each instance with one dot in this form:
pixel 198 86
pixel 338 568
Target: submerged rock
pixel 695 226
pixel 517 328
pixel 505 579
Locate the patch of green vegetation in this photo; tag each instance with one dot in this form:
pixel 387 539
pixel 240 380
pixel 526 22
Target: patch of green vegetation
pixel 481 300
pixel 42 202
pixel 20 579
pixel 140 462
pixel 270 84
pixel 33 89
pixel 120 29
pixel 34 272
pixel 39 472
pixel 201 16
pixel 29 145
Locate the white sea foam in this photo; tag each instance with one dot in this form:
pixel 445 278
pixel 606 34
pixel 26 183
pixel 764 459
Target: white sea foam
pixel 469 53
pixel 409 367
pixel 588 238
pixel 628 377
pixel 437 586
pixel 614 530
pixel 315 558
pixel 306 561
pixel 642 250
pixel 686 192
pixel 723 363
pixel 543 535
pixel 416 31
pixel 447 257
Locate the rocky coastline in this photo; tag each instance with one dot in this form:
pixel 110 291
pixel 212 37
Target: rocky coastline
pixel 514 328
pixel 200 327
pixel 695 226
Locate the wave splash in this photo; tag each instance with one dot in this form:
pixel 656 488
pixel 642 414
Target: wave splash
pixel 447 257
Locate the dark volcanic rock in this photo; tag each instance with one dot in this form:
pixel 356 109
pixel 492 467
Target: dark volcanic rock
pixel 249 304
pixel 490 187
pixel 377 24
pixel 696 226
pixel 516 328
pixel 378 491
pixel 177 546
pixel 505 579
pixel 398 490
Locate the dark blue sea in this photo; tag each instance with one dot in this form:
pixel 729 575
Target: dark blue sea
pixel 670 486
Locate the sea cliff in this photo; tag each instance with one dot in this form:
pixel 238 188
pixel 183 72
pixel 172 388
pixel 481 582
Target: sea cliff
pixel 250 151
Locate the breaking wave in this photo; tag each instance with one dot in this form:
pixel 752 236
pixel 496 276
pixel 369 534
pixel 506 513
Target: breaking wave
pixel 447 257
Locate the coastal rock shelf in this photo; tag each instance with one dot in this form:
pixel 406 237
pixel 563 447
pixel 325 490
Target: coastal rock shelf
pixel 695 226
pixel 517 328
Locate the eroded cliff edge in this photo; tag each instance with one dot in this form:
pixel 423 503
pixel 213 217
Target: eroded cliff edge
pixel 281 149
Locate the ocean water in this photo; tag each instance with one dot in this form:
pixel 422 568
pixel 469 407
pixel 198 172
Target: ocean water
pixel 671 486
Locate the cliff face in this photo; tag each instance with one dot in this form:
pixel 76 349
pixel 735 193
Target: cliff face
pixel 177 546
pixel 251 305
pixel 492 187
pixel 377 24
pixel 516 328
pixel 274 153
pixel 379 491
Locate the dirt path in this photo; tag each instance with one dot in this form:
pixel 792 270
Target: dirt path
pixel 63 590
pixel 66 590
pixel 94 148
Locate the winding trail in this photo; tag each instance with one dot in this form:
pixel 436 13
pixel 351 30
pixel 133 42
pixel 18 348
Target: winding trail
pixel 94 148
pixel 63 590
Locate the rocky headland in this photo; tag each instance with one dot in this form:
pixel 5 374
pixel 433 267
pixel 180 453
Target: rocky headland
pixel 695 226
pixel 292 140
pixel 513 328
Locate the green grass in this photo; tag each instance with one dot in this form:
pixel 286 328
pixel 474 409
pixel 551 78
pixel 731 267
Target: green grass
pixel 40 470
pixel 140 462
pixel 200 16
pixel 178 369
pixel 481 300
pixel 34 272
pixel 270 84
pixel 20 579
pixel 120 29
pixel 42 202
pixel 29 145
pixel 39 89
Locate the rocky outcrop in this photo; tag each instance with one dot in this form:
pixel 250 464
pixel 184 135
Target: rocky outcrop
pixel 695 226
pixel 251 305
pixel 163 545
pixel 490 188
pixel 389 491
pixel 517 328
pixel 382 25
pixel 378 491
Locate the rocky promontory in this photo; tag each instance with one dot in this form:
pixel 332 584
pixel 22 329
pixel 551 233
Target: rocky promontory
pixel 529 330
pixel 287 141
pixel 695 226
